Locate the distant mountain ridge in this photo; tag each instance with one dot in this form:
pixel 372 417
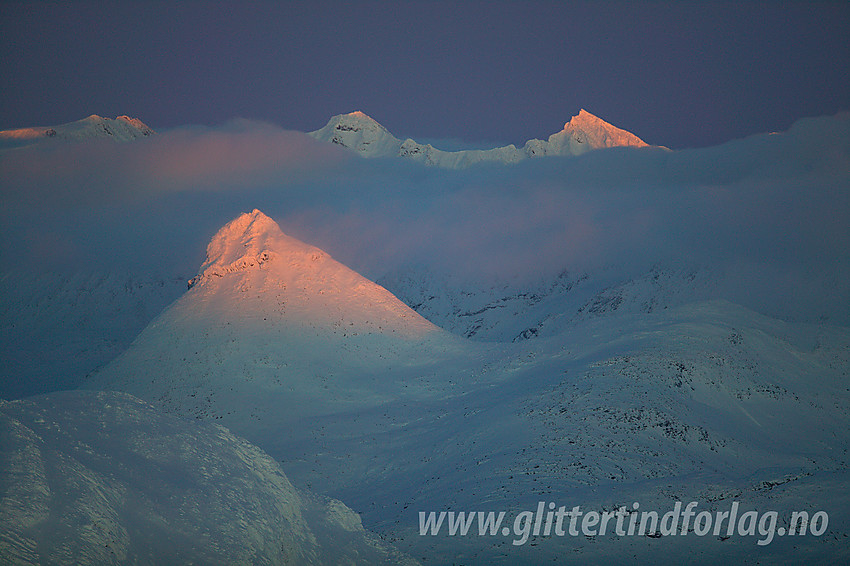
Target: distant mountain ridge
pixel 362 134
pixel 122 128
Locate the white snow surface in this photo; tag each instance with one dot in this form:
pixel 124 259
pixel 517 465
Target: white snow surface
pixel 122 129
pixel 583 133
pixel 312 288
pixel 290 323
pixel 703 401
pixel 592 384
pixel 104 478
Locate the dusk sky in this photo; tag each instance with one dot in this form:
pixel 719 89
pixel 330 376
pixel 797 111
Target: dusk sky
pixel 680 74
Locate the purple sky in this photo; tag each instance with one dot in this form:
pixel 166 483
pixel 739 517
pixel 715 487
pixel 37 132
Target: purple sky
pixel 680 74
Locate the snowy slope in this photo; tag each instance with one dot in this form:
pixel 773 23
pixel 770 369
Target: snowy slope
pixel 547 307
pixel 103 478
pixel 707 402
pixel 361 399
pixel 362 134
pixel 281 324
pixel 122 128
pixel 595 388
pixel 57 327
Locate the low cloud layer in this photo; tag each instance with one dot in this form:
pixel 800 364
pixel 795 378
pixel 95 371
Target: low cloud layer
pixel 775 203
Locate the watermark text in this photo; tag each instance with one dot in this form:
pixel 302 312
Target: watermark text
pixel 683 519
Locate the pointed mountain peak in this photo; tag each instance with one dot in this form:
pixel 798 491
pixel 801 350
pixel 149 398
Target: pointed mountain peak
pixel 584 117
pixel 247 228
pixel 360 132
pixel 361 115
pixel 355 119
pixel 251 253
pixel 587 131
pixel 251 241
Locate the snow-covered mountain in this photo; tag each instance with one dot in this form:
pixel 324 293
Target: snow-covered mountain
pixel 596 384
pixel 547 307
pixel 583 133
pixel 361 399
pixel 294 327
pixel 122 128
pixel 104 478
pixel 317 290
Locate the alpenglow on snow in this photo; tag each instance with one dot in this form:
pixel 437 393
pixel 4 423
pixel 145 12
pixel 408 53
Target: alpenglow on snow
pixel 122 128
pixel 362 134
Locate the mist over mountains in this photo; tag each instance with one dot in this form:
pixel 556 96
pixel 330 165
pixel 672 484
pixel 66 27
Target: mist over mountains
pixel 428 329
pixel 768 207
pixel 363 135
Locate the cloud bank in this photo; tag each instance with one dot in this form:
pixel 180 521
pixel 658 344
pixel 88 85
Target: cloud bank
pixel 771 204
